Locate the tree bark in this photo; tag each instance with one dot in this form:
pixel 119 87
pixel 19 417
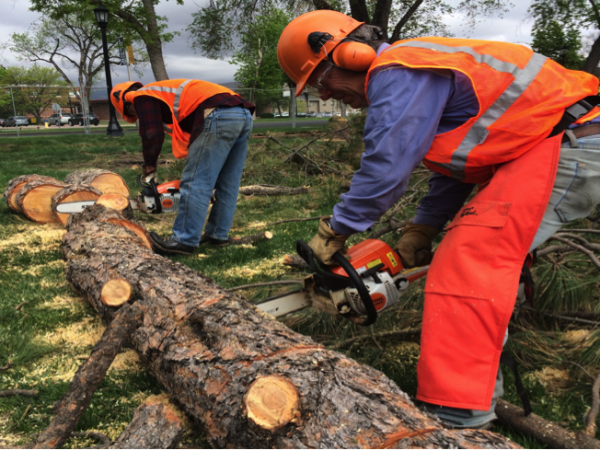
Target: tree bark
pixel 72 406
pixel 154 44
pixel 545 431
pixel 72 193
pixel 154 425
pixel 14 185
pixel 208 348
pixel 407 16
pixel 593 59
pixel 105 181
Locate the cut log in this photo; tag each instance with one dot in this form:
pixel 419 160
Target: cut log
pixel 71 407
pixel 207 348
pixel 252 239
pixel 296 262
pixel 154 425
pixel 35 199
pixel 139 231
pixel 115 292
pixel 545 431
pixel 73 193
pixel 116 201
pixel 105 181
pixel 272 402
pixel 265 189
pixel 14 185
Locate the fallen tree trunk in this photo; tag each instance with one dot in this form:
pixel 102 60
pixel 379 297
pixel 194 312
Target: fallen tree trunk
pixel 154 425
pixel 545 431
pixel 265 189
pixel 105 181
pixel 248 379
pixel 15 185
pixel 252 239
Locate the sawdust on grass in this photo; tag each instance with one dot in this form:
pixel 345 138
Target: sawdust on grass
pixel 35 238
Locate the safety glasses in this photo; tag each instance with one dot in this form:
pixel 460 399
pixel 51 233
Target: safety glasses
pixel 318 79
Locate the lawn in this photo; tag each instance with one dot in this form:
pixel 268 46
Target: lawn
pixel 46 330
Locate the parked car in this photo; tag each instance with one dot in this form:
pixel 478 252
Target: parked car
pixel 16 121
pixel 59 119
pixel 2 122
pixel 78 119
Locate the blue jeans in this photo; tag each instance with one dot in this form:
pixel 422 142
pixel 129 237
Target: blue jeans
pixel 215 160
pixel 575 193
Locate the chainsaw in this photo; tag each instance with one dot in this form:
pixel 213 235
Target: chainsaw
pixel 154 199
pixel 366 282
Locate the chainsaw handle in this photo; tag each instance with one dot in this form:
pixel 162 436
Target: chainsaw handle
pixel 360 287
pixel 155 194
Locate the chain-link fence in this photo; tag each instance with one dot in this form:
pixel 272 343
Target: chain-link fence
pixel 43 110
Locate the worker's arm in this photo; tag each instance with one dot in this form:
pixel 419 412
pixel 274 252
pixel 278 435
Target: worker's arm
pixel 445 198
pixel 151 130
pixel 405 109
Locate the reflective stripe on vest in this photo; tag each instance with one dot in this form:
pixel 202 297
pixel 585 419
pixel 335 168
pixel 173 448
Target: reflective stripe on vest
pixel 177 91
pixel 479 132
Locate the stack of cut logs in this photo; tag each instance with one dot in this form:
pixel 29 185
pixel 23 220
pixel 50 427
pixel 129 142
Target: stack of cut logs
pixel 37 196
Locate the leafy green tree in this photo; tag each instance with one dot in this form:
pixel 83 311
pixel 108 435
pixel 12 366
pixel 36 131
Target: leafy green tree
pixel 570 15
pixel 563 47
pixel 257 59
pixel 130 19
pixel 34 90
pixel 218 25
pixel 72 41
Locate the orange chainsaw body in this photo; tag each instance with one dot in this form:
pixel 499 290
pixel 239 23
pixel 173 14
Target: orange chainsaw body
pixel 371 253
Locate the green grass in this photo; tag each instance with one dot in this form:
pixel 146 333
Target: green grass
pixel 45 340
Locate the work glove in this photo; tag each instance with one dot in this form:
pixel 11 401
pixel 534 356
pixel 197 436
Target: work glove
pixel 327 242
pixel 414 247
pixel 149 173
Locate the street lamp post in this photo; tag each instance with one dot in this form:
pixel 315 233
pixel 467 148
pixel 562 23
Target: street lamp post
pixel 114 129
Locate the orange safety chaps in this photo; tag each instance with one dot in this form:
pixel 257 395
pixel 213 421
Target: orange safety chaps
pixel 472 284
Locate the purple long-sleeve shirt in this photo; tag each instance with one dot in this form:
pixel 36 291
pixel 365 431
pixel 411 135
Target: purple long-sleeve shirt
pixel 407 109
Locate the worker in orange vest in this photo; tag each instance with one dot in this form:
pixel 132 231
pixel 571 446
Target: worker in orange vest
pixel 491 114
pixel 210 126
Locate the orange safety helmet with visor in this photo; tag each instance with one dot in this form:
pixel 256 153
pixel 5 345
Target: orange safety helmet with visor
pixel 306 48
pixel 117 98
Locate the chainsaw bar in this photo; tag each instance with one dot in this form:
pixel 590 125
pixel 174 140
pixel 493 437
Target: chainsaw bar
pixel 286 303
pixel 77 207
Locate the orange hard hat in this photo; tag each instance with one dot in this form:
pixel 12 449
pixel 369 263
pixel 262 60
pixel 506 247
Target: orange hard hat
pixel 308 39
pixel 117 97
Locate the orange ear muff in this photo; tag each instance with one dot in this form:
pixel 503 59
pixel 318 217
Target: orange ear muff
pixel 354 56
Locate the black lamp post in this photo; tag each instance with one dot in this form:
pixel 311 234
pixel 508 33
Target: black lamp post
pixel 114 129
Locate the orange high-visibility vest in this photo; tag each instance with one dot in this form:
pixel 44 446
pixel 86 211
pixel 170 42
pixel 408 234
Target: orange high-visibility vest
pixel 522 95
pixel 183 97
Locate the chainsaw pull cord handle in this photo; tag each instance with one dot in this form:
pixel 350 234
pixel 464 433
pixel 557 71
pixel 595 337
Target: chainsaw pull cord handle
pixel 360 287
pixel 155 194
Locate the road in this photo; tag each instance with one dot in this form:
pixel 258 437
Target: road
pixel 25 131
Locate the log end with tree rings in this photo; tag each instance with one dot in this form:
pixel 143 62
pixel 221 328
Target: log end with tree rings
pixel 105 181
pixel 114 201
pixel 116 292
pixel 139 231
pixel 35 199
pixel 272 402
pixel 73 193
pixel 15 185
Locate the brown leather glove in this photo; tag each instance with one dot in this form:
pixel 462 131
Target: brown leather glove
pixel 149 173
pixel 327 242
pixel 414 247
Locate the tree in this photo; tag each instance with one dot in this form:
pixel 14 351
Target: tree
pixel 216 27
pixel 562 47
pixel 131 19
pixel 257 58
pixel 570 15
pixel 73 40
pixel 33 89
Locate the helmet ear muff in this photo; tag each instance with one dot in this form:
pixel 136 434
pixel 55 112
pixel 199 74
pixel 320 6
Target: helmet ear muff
pixel 354 56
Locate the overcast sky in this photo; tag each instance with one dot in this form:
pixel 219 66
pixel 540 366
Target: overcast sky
pixel 182 62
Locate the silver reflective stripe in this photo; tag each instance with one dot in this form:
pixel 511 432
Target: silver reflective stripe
pixel 479 131
pixel 167 128
pixel 159 89
pixel 178 97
